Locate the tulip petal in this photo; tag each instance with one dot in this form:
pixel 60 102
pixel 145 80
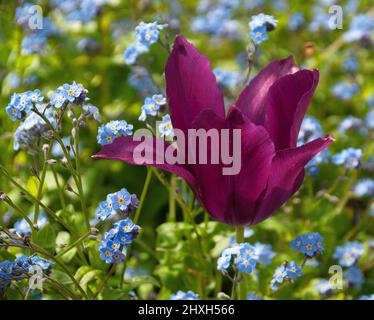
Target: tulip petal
pixel 232 198
pixel 287 102
pixel 286 175
pixel 190 85
pixel 123 149
pixel 252 99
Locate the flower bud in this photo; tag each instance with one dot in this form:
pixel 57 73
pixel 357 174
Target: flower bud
pixel 64 162
pixel 92 237
pixel 3 196
pixel 51 161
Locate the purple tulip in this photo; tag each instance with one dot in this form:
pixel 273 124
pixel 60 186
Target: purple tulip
pixel 269 113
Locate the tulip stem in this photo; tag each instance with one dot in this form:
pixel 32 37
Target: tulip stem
pixel 242 285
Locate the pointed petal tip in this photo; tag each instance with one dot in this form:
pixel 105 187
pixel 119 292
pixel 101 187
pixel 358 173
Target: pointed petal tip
pixel 330 138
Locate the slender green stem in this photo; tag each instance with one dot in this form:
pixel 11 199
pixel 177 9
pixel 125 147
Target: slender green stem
pixel 60 190
pixel 242 286
pixel 74 244
pixel 79 180
pixel 172 209
pixel 143 195
pixel 104 283
pixel 41 182
pixel 21 212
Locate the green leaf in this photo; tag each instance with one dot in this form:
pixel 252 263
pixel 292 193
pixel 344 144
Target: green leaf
pixel 46 237
pixel 33 186
pixel 63 240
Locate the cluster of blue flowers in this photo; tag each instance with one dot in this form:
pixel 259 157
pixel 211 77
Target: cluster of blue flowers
pixel 349 253
pixel 348 256
pixel 352 124
pixel 311 129
pixel 324 287
pixel 146 34
pixel 36 35
pixel 245 257
pixel 260 25
pixel 151 106
pixel 309 244
pixel 360 28
pixel 350 64
pixel 110 131
pixel 350 158
pixel 141 81
pixel 121 202
pixel 345 90
pixel 296 21
pixel 227 79
pixel 24 229
pixel 253 296
pixel 21 268
pixel 364 188
pixel 33 127
pixel 216 19
pixel 21 104
pixel 73 93
pixel 79 10
pixel 180 295
pixel 288 271
pixel 113 247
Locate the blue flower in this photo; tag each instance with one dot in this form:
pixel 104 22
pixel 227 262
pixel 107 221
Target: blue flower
pixel 159 99
pixel 259 34
pixel 349 253
pixel 245 263
pixel 103 211
pixel 180 295
pixel 165 127
pixel 324 286
pixel 370 101
pixel 105 135
pixel 71 91
pixel 264 253
pixel 92 111
pixel 148 33
pixel 293 270
pixel 132 53
pixel 344 90
pixel 350 158
pixel 360 28
pixel 364 187
pixel 313 165
pixel 33 43
pixel 261 20
pixel 119 201
pixel 58 98
pixel 354 277
pixel 310 244
pixel 350 64
pixel 310 129
pixel 149 108
pixel 352 123
pixel 23 228
pixel 227 79
pixel 367 297
pixel 106 254
pixel 370 120
pixel 279 275
pixel 296 21
pixel 253 296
